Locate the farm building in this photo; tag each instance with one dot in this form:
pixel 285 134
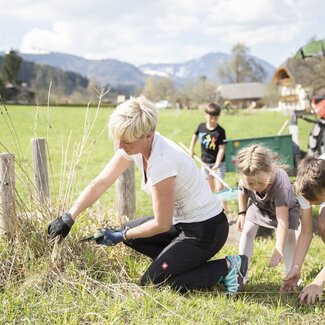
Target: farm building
pixel 301 77
pixel 243 95
pixel 19 94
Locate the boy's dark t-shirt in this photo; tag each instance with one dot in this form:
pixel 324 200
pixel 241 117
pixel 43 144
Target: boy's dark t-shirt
pixel 210 141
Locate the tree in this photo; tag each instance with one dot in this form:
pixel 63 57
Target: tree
pixel 2 89
pixel 199 92
pixel 11 66
pixel 241 67
pixel 159 88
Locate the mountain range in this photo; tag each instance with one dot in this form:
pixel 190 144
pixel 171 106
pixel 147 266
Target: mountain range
pixel 126 76
pixel 118 73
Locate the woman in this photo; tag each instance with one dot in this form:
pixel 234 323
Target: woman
pixel 188 227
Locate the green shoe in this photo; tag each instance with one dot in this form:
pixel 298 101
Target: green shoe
pixel 234 280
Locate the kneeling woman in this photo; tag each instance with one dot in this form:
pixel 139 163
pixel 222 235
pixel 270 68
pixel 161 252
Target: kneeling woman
pixel 188 227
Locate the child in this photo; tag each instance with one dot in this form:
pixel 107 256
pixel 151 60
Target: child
pixel 266 198
pixel 310 184
pixel 212 137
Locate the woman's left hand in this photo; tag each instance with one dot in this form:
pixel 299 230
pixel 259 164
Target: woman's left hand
pixel 276 258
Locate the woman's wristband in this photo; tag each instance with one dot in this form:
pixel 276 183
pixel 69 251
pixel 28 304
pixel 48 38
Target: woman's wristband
pixel 242 212
pixel 124 233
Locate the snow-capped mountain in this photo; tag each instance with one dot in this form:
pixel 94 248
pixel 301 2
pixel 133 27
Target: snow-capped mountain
pixel 206 65
pixel 123 74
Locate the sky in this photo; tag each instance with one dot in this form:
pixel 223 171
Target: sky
pixel 160 31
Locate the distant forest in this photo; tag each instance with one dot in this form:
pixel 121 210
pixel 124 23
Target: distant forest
pixel 65 87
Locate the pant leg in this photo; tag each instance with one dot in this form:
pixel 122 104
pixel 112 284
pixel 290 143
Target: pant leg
pixel 183 263
pixel 151 246
pixel 289 249
pixel 246 243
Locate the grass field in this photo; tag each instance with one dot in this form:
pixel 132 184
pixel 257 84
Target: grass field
pixel 85 284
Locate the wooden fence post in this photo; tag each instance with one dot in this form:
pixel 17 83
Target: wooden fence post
pixel 7 192
pixel 40 169
pixel 125 193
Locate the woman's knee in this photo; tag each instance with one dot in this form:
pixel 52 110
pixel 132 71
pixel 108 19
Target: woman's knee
pixel 153 277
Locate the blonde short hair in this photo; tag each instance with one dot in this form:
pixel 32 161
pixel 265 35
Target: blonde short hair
pixel 254 159
pixel 133 119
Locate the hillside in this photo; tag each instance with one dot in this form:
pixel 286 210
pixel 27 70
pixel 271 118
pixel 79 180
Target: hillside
pixel 128 77
pixel 206 65
pixel 107 72
pixel 66 86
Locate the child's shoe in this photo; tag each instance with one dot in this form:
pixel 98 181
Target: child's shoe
pixel 246 279
pixel 234 280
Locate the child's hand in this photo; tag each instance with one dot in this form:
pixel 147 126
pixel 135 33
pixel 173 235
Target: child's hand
pixel 240 222
pixel 311 293
pixel 290 281
pixel 276 258
pixel 215 167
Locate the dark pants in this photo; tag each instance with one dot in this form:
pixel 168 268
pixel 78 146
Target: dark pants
pixel 180 255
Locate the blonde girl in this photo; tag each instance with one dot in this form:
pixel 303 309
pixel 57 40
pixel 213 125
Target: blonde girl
pixel 266 198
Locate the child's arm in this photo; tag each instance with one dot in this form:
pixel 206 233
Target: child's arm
pixel 242 205
pixel 313 291
pixel 304 239
pixel 282 214
pixel 193 142
pixel 219 157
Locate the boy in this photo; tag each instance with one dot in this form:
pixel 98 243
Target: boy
pixel 212 137
pixel 310 185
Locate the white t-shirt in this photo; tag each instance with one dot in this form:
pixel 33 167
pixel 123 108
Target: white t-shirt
pixel 194 201
pixel 304 204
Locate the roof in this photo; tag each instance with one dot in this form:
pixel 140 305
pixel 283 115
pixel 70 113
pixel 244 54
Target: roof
pixel 308 72
pixel 315 48
pixel 248 90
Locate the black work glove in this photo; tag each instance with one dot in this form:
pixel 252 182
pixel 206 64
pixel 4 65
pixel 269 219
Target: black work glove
pixel 60 226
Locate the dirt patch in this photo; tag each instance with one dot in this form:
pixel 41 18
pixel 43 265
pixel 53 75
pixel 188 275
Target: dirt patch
pixel 234 234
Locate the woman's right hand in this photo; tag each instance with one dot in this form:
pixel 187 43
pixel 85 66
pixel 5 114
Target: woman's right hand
pixel 240 222
pixel 60 226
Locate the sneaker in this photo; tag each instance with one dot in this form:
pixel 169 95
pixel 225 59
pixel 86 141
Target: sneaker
pixel 234 280
pixel 246 279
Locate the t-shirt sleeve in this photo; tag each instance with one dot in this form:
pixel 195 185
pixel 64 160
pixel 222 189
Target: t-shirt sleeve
pixel 125 155
pixel 242 188
pixel 321 207
pixel 283 192
pixel 161 170
pixel 222 137
pixel 197 131
pixel 304 204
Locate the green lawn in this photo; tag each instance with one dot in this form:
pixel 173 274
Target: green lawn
pixel 85 284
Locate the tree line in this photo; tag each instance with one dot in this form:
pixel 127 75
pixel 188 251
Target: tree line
pixel 70 86
pixel 63 85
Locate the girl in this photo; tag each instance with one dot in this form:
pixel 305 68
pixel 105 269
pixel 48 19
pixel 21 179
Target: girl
pixel 266 198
